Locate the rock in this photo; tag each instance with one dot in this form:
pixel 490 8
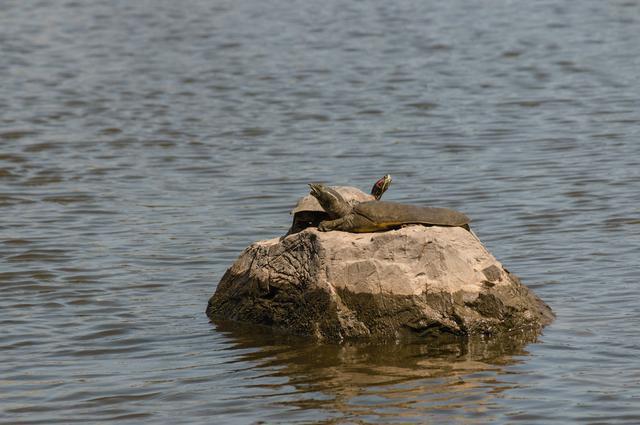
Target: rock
pixel 415 280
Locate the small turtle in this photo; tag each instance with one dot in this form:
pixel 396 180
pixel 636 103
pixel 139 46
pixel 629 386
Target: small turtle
pixel 376 216
pixel 381 186
pixel 309 213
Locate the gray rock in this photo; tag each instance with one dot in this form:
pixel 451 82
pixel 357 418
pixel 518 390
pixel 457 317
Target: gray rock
pixel 413 281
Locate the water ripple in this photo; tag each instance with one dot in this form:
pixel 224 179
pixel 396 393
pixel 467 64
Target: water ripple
pixel 144 149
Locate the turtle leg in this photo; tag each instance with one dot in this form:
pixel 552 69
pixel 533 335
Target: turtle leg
pixel 337 224
pixel 350 223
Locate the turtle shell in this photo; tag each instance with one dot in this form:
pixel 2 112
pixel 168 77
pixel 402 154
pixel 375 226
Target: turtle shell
pixel 389 214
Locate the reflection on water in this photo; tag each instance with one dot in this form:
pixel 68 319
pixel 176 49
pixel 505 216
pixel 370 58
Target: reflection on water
pixel 413 380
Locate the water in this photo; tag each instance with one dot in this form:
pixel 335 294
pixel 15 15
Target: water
pixel 145 144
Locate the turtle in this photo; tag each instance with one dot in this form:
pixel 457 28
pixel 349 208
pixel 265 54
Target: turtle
pixel 376 216
pixel 381 186
pixel 309 213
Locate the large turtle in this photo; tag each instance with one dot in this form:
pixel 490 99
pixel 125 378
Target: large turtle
pixel 376 216
pixel 309 213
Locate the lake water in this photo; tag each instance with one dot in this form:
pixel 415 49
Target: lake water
pixel 144 145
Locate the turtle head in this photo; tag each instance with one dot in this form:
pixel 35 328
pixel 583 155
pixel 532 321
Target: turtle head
pixel 330 200
pixel 381 186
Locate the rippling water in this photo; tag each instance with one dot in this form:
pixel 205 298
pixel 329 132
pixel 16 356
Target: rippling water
pixel 145 144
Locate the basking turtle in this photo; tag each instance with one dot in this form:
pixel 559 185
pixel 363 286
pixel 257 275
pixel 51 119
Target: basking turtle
pixel 376 216
pixel 381 186
pixel 309 213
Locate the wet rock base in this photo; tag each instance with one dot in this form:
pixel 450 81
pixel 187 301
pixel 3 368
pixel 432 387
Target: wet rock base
pixel 415 281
